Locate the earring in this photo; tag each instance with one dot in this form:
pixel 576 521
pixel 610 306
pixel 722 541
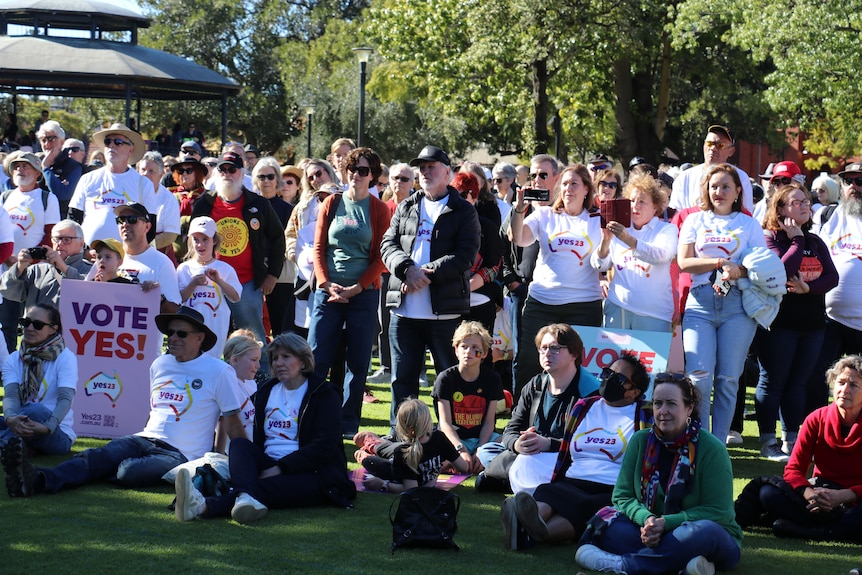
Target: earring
pixel 688 420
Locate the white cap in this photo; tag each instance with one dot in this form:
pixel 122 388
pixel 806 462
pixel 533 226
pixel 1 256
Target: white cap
pixel 203 225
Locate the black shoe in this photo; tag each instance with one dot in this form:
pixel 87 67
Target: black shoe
pixel 487 484
pixel 20 474
pixel 787 528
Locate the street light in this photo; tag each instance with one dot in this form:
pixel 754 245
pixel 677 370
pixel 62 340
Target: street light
pixel 309 111
pixel 362 54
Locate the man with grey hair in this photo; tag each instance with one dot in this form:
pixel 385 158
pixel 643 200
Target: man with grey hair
pixel 60 170
pixel 30 281
pixel 75 149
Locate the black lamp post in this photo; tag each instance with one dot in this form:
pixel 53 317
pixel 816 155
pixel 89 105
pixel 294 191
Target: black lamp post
pixel 362 54
pixel 309 111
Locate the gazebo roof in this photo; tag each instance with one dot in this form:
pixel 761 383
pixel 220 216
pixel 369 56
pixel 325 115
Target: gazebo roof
pixel 71 15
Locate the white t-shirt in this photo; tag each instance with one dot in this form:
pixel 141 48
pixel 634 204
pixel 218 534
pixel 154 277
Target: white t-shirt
pixel 600 442
pixel 62 372
pixel 502 337
pixel 209 299
pixel 100 191
pixel 843 237
pixel 29 217
pixel 168 212
pixel 151 265
pixel 186 400
pixel 641 281
pixel 280 424
pixel 717 236
pixel 417 305
pixel 563 272
pixel 686 189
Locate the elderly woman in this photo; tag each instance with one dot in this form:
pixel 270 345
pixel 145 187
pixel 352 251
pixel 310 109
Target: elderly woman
pixel 827 192
pixel 609 186
pixel 800 325
pixel 824 507
pixel 188 176
pixel 400 185
pixel 504 177
pixel 640 295
pixel 39 382
pixel 291 176
pixel 296 458
pixel 716 330
pixel 673 500
pixel 565 288
pixel 347 267
pixel 168 226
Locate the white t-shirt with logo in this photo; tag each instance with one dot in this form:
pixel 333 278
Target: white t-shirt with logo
pixel 843 236
pixel 599 443
pixel 29 217
pixel 280 422
pixel 209 299
pixel 152 264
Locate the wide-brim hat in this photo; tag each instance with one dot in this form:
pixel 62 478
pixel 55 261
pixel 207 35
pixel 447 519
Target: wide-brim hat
pixel 19 157
pixel 766 175
pixel 291 171
pixel 852 168
pixel 135 138
pixel 194 163
pixel 193 317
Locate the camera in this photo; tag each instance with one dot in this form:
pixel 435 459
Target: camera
pixel 534 194
pixel 38 253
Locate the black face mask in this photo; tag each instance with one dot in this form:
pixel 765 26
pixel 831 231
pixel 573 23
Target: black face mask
pixel 613 384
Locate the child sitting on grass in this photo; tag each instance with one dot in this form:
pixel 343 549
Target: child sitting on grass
pixel 109 258
pixel 415 461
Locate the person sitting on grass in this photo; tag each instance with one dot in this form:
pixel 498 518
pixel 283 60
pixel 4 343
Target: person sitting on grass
pixel 597 432
pixel 466 395
pixel 415 460
pixel 109 258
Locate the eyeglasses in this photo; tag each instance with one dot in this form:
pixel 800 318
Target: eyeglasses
pixel 718 145
pixel 48 139
pixel 64 239
pixel 314 176
pixel 363 171
pixel 26 322
pixel 186 170
pixel 180 333
pixel 541 175
pixel 402 179
pixel 850 181
pixel 797 203
pixel 820 191
pixel 269 177
pixel 117 142
pixel 132 220
pixel 499 180
pixel 550 349
pixel 290 182
pixel 227 168
pixel 599 167
pixel 781 181
pixel 74 149
pixel 190 152
pixel 665 377
pixel 609 185
pixel 609 375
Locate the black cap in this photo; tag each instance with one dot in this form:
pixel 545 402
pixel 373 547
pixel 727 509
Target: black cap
pixel 721 131
pixel 193 317
pixel 139 209
pixel 431 154
pixel 252 148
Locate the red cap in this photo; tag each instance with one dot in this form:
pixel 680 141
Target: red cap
pixel 785 170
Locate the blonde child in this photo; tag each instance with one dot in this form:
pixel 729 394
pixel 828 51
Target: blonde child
pixel 242 351
pixel 109 258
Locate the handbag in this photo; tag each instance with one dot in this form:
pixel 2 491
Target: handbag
pixel 424 517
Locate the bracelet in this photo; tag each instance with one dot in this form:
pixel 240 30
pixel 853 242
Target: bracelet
pixel 720 264
pixel 385 487
pixel 520 212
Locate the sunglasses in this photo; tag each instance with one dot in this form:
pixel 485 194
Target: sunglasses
pixel 402 179
pixel 363 171
pixel 541 175
pixel 609 185
pixel 180 333
pixel 129 219
pixel 599 167
pixel 26 322
pixel 314 176
pixel 719 145
pixel 74 149
pixel 227 168
pixel 269 177
pixel 186 170
pixel 850 181
pixel 781 181
pixel 48 139
pixel 610 375
pixel 116 142
pixel 666 377
pixel 499 180
pixel 190 152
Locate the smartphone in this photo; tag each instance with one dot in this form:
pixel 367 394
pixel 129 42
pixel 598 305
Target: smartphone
pixel 534 194
pixel 619 210
pixel 721 287
pixel 38 253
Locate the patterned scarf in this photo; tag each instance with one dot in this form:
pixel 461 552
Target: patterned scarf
pixel 685 446
pixel 33 358
pixel 187 198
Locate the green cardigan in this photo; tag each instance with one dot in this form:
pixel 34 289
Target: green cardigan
pixel 710 497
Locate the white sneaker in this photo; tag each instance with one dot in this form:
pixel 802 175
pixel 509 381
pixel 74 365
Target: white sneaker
pixel 787 446
pixel 772 451
pixel 247 509
pixel 699 566
pixel 595 559
pixel 733 438
pixel 380 376
pixel 190 502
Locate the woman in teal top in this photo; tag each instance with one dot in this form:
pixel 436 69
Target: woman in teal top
pixel 347 269
pixel 673 501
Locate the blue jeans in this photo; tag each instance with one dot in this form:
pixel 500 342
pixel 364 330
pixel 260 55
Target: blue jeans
pixel 785 359
pixel 133 460
pixel 408 339
pixel 716 334
pixel 676 549
pixel 619 318
pixel 247 313
pixel 487 452
pixel 359 318
pixel 838 341
pixel 56 443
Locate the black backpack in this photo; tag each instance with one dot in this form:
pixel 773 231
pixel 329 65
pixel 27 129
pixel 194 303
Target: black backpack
pixel 425 517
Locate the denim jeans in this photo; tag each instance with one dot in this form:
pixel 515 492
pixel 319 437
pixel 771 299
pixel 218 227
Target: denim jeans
pixel 716 333
pixel 838 341
pixel 519 298
pixel 359 318
pixel 133 460
pixel 489 451
pixel 676 548
pixel 619 318
pixel 408 339
pixel 785 358
pixel 56 443
pixel 248 313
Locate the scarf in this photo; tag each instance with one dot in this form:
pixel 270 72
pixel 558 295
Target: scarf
pixel 834 437
pixel 187 198
pixel 33 357
pixel 685 447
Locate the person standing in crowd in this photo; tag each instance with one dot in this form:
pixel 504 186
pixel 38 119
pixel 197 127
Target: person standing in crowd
pixel 504 176
pixel 337 155
pixel 565 287
pixel 187 178
pixel 151 167
pixel 61 171
pixel 431 243
pixel 827 193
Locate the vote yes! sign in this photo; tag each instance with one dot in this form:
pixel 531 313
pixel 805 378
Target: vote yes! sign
pixel 111 329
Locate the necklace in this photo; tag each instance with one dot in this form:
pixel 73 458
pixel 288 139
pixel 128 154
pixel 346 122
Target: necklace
pixel 206 263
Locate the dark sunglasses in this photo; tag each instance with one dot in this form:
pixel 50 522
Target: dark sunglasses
pixel 269 177
pixel 314 176
pixel 74 149
pixel 227 168
pixel 26 322
pixel 402 179
pixel 363 171
pixel 609 375
pixel 186 170
pixel 499 180
pixel 666 377
pixel 781 181
pixel 599 167
pixel 116 142
pixel 180 333
pixel 48 139
pixel 850 181
pixel 542 175
pixel 129 219
pixel 610 185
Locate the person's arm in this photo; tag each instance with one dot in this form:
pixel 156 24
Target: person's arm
pixel 520 417
pixel 15 282
pixel 321 244
pixel 233 426
pixel 220 437
pixel 275 234
pixel 447 426
pixel 229 291
pixel 600 259
pixel 519 234
pixel 627 487
pixel 829 276
pixel 660 250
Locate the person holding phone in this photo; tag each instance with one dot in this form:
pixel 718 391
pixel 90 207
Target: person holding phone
pixel 640 295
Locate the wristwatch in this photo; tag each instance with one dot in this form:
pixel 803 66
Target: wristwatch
pixel 460 448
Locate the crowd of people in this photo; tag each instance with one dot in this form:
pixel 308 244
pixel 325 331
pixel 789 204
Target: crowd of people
pixel 336 259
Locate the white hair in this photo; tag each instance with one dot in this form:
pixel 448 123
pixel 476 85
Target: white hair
pixel 52 126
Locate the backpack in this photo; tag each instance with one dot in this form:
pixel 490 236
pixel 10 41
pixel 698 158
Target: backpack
pixel 44 198
pixel 425 517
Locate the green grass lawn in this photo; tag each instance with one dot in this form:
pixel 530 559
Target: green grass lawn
pixel 102 529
